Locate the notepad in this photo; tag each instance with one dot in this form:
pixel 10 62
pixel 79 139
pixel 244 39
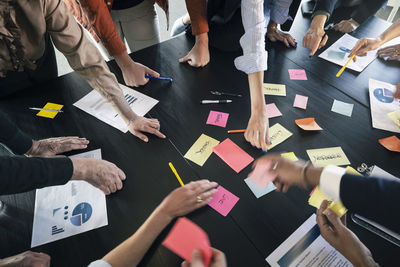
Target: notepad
pixel 201 150
pixel 274 89
pixel 395 117
pixel 223 201
pixel 217 118
pixel 308 124
pixel 328 156
pixel 277 134
pixel 272 111
pixel 342 108
pixel 317 197
pixel 391 143
pixel 49 114
pixel 233 155
pixel 262 174
pixel 300 101
pixel 186 236
pixel 297 74
pixel 259 191
pixel 290 156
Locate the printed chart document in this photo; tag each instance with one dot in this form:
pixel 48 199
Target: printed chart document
pixel 382 103
pixel 94 104
pixel 67 210
pixel 306 247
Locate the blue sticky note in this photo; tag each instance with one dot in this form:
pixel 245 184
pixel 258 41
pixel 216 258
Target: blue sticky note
pixel 342 108
pixel 257 191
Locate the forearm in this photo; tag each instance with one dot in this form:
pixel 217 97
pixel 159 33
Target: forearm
pixel 197 10
pixel 131 251
pixel 392 32
pixel 123 59
pixel 318 22
pixel 256 93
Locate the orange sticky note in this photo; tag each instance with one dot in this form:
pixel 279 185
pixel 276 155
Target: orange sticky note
pixel 391 143
pixel 49 114
pixel 308 124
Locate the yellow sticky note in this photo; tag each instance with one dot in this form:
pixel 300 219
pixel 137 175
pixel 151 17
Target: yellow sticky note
pixel 290 156
pixel 49 114
pixel 318 196
pixel 201 150
pixel 395 117
pixel 351 170
pixel 328 156
pixel 274 89
pixel 277 134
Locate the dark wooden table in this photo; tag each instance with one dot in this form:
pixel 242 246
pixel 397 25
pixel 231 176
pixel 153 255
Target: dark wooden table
pixel 255 227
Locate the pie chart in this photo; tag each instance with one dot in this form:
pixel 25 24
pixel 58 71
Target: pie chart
pixel 383 95
pixel 81 214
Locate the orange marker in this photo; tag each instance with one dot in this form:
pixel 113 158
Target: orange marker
pixel 237 131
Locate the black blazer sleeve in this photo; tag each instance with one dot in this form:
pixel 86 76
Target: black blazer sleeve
pixel 12 136
pixel 375 198
pixel 325 5
pixel 20 174
pixel 367 9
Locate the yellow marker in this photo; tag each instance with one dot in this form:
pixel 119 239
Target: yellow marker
pixel 176 174
pixel 345 65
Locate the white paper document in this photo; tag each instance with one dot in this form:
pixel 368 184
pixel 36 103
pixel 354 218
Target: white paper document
pixel 381 103
pixel 67 210
pixel 306 247
pixel 94 104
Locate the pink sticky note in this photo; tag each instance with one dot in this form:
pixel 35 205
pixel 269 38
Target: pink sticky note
pixel 296 74
pixel 186 236
pixel 300 101
pixel 272 111
pixel 233 155
pixel 262 174
pixel 223 201
pixel 217 118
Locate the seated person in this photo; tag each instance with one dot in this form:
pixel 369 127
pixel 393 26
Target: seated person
pixel 179 202
pixel 390 53
pixel 356 13
pixel 353 191
pixel 27 56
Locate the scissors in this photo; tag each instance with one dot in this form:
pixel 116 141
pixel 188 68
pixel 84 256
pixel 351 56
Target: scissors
pixel 364 168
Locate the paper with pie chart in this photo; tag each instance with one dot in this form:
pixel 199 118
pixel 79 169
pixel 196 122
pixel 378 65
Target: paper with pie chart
pixel 67 210
pixel 382 103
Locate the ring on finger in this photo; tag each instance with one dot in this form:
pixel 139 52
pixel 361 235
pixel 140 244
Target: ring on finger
pixel 199 199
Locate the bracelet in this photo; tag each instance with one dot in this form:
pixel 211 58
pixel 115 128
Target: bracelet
pixel 303 174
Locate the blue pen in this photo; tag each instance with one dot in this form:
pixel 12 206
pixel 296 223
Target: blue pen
pixel 344 49
pixel 158 78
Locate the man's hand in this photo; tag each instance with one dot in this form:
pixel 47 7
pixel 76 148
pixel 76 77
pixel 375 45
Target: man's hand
pixel 347 26
pixel 218 259
pixel 257 130
pixel 276 35
pixel 102 174
pixel 314 38
pixel 199 56
pixel 391 52
pixel 52 146
pixel 27 258
pixel 141 124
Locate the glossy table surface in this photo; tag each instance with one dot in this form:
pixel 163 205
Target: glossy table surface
pixel 254 227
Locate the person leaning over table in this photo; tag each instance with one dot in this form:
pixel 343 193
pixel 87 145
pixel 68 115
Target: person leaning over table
pixel 179 202
pixel 373 197
pixel 27 55
pixel 315 38
pixel 391 52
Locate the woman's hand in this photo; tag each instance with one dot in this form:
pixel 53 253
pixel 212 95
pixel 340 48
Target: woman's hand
pixel 391 52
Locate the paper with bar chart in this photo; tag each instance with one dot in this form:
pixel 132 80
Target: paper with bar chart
pixel 97 106
pixel 67 210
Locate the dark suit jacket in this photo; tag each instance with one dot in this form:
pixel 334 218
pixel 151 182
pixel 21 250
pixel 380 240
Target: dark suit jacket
pixel 375 198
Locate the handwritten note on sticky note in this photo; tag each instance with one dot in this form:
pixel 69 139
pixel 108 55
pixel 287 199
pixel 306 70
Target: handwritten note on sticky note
pixel 277 134
pixel 297 74
pixel 184 237
pixel 328 156
pixel 342 108
pixel 217 118
pixel 318 196
pixel 391 143
pixel 201 150
pixel 49 114
pixel 300 101
pixel 308 124
pixel 351 170
pixel 274 89
pixel 272 111
pixel 290 156
pixel 395 117
pixel 223 201
pixel 233 155
pixel 257 191
pixel 262 174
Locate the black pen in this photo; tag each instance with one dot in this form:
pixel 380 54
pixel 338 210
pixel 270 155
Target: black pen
pixel 222 101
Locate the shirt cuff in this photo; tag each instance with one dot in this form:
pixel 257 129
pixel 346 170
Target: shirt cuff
pixel 330 181
pixel 253 62
pixel 99 263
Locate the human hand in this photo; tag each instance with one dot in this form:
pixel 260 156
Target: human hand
pixel 315 39
pixel 391 52
pixel 50 147
pixel 275 34
pixel 347 26
pixel 363 46
pixel 188 198
pixel 102 174
pixel 397 93
pixel 341 238
pixel 199 56
pixel 218 259
pixel 27 258
pixel 141 124
pixel 257 130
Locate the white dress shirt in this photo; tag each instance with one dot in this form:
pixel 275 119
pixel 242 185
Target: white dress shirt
pixel 329 182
